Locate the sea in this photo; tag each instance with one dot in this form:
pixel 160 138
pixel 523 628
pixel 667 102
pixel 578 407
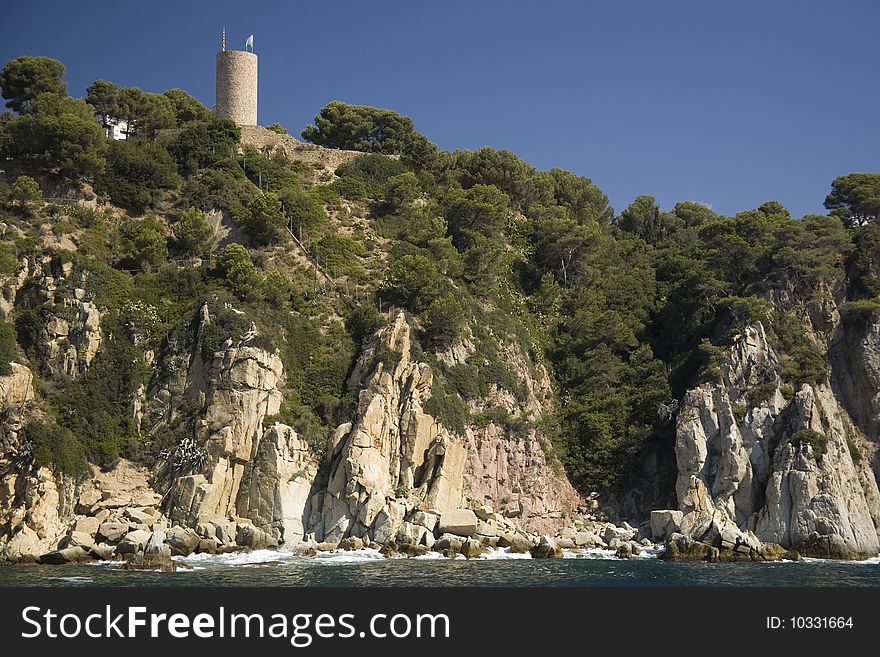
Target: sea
pixel 368 568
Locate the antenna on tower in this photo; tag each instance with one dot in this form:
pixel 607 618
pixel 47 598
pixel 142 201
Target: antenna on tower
pixel 223 40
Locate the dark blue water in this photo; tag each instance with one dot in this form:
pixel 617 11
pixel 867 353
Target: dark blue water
pixel 265 568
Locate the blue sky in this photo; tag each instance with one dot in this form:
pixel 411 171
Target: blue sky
pixel 726 103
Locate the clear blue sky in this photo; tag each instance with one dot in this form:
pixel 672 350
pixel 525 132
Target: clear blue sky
pixel 727 103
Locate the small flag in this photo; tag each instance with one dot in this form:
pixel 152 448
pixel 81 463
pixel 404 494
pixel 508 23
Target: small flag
pixel 249 44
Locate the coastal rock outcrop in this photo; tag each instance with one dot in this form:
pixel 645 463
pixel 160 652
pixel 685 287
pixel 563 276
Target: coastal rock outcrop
pixel 395 458
pixel 761 463
pixel 238 386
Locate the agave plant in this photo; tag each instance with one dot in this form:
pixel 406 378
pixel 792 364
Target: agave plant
pixel 186 457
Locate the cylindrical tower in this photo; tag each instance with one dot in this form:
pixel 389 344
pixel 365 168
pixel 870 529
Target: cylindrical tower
pixel 237 86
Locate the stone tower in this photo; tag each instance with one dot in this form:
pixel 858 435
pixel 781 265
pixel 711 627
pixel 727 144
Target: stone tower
pixel 237 86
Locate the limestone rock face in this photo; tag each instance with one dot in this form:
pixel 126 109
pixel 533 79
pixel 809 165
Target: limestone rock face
pixel 748 472
pixel 17 387
pixel 278 493
pixel 855 366
pixel 70 338
pixel 36 511
pixel 10 286
pixel 393 448
pixel 240 390
pixel 394 460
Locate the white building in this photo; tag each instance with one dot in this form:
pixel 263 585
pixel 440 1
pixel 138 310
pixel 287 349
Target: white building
pixel 116 128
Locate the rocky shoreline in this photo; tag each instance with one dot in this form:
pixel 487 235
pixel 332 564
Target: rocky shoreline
pixel 120 519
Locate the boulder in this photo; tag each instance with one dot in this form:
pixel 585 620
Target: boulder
pixel 620 533
pixel 461 522
pixel 82 539
pixel 183 540
pixel 112 532
pixel 102 551
pixel 483 512
pixel 156 546
pixel 565 543
pixel 134 541
pixel 424 519
pixel 586 539
pixel 207 546
pixel 351 543
pixel 89 497
pixel 139 516
pixel 665 523
pixel 87 525
pixel 249 536
pixel 624 551
pixel 471 548
pixel 413 550
pixel 326 546
pixel 448 542
pixel 67 555
pixel 487 541
pixel 546 549
pixel 683 548
pixel 153 562
pixel 520 544
pixel 206 530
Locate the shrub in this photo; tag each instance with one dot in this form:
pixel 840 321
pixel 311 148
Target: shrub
pixel 444 321
pixel 338 252
pixel 235 266
pixel 8 350
pixel 802 362
pixel 413 282
pixel 447 407
pixel 854 451
pixel 373 169
pixel 26 194
pixel 205 144
pixel 739 413
pixel 817 441
pixel 352 188
pixel 864 307
pixel 302 210
pixel 363 321
pixel 277 128
pixel 144 245
pixel 55 447
pixel 193 235
pixel 9 264
pixel 96 407
pixel 225 324
pixel 263 220
pixel 760 394
pixel 138 173
pixel 186 457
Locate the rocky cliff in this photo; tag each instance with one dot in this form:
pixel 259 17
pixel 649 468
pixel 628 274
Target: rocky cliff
pixel 395 461
pixel 759 461
pixel 393 476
